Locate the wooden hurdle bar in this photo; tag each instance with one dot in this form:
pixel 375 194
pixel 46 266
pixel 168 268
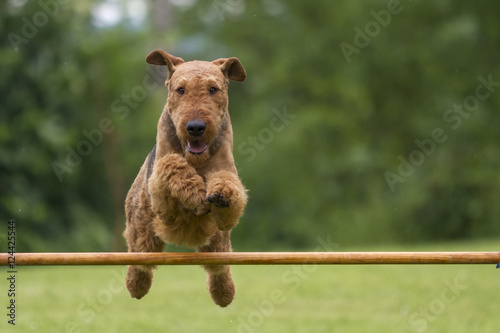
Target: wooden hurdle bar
pixel 250 258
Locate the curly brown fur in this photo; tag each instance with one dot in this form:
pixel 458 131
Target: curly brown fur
pixel 219 282
pixel 188 191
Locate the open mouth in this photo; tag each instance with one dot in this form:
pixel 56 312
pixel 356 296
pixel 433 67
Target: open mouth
pixel 196 147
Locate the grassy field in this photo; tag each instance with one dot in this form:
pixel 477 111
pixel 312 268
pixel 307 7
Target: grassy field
pixel 269 298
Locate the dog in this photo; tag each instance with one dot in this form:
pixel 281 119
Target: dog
pixel 188 191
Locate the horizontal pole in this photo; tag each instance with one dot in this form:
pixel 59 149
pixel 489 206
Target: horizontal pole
pixel 249 258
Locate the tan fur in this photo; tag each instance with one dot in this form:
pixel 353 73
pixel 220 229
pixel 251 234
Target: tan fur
pixel 183 195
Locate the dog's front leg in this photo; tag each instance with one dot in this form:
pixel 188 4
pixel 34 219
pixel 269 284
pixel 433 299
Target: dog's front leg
pixel 228 197
pixel 173 176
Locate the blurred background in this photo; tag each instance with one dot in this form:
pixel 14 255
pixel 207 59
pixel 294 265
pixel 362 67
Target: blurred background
pixel 370 122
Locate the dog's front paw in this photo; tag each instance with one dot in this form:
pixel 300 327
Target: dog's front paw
pixel 203 208
pixel 224 190
pixel 222 194
pixel 197 201
pixel 218 200
pixel 228 198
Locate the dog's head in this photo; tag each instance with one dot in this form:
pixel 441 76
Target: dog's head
pixel 197 102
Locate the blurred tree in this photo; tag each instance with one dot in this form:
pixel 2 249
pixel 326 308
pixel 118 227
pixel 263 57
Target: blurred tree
pixel 317 129
pixel 324 173
pixel 61 176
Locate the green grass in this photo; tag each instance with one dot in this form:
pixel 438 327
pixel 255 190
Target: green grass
pixel 269 298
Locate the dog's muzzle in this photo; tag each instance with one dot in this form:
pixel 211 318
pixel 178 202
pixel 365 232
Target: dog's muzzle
pixel 196 128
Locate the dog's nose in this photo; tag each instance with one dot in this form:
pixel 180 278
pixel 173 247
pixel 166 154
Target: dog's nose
pixel 196 127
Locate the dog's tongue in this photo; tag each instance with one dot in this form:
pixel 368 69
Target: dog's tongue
pixel 197 146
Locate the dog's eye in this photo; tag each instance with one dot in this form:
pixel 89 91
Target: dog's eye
pixel 213 90
pixel 180 90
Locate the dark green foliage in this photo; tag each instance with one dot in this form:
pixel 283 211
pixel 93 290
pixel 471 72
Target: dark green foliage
pixel 316 133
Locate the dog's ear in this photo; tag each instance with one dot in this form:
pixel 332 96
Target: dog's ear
pixel 231 68
pixel 162 58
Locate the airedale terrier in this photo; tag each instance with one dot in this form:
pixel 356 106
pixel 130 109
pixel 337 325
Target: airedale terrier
pixel 188 191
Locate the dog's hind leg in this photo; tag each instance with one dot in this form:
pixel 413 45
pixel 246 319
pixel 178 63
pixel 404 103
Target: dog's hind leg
pixel 140 237
pixel 219 282
pixel 140 277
